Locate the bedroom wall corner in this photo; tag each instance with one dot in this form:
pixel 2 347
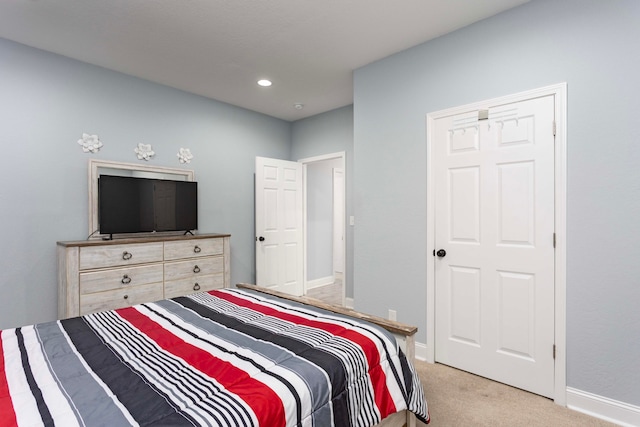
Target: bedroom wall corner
pixel 328 133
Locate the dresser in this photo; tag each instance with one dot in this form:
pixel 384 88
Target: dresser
pixel 105 275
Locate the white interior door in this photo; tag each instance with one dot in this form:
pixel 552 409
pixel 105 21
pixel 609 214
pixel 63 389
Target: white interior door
pixel 279 225
pixel 494 218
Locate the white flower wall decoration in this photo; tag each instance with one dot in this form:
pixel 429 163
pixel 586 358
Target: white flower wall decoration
pixel 144 151
pixel 184 155
pixel 90 143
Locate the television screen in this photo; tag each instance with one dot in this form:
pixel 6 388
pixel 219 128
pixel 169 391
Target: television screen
pixel 133 205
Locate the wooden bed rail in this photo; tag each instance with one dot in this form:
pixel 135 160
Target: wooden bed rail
pixel 404 333
pixel 390 325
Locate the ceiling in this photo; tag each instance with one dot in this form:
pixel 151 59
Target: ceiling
pixel 220 48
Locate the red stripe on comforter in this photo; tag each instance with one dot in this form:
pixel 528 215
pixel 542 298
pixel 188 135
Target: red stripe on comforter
pixel 264 402
pixel 383 398
pixel 8 416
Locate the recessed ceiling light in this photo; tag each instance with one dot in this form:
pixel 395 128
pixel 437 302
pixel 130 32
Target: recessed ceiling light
pixel 264 83
pixel 298 106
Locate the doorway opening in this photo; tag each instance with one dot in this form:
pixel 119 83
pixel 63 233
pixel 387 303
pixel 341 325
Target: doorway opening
pixel 324 224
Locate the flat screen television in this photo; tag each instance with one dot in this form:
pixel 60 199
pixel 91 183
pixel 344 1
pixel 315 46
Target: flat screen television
pixel 135 205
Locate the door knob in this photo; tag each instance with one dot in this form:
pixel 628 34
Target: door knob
pixel 261 238
pixel 441 253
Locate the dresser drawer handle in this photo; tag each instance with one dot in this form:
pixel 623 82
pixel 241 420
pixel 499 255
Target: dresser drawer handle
pixel 197 249
pixel 196 269
pixel 125 279
pixel 127 255
pixel 196 287
pixel 126 297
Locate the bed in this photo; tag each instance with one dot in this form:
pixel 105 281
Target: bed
pixel 230 357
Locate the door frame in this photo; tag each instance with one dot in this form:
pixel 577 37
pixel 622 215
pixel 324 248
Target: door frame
pixel 338 198
pixel 559 91
pixel 341 155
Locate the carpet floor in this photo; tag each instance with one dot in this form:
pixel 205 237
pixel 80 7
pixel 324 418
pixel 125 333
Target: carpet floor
pixel 457 398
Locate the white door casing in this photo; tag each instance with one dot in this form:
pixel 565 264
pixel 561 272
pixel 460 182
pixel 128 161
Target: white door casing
pixel 511 302
pixel 338 221
pixel 279 225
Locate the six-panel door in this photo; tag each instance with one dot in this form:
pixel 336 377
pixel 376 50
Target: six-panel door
pixel 494 203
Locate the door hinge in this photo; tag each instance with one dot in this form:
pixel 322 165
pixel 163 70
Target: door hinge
pixel 554 352
pixel 554 128
pixel 554 240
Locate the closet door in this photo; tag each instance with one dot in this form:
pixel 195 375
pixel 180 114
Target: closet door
pixel 494 204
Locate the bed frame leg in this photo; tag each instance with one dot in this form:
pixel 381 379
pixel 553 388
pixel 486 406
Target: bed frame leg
pixel 411 419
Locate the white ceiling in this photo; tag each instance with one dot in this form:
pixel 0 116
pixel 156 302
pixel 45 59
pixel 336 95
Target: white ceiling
pixel 220 48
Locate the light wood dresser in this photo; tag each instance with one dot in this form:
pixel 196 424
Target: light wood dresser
pixel 105 275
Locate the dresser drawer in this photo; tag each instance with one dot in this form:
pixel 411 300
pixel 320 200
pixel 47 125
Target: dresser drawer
pixel 193 268
pixel 120 278
pixel 181 249
pixel 176 288
pixel 119 255
pixel 119 298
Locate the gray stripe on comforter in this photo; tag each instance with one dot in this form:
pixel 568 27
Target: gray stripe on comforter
pixel 91 404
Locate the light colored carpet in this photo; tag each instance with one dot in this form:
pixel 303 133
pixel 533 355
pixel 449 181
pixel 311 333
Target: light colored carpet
pixel 457 398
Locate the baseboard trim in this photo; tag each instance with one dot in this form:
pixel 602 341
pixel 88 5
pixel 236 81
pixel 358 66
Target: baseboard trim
pixel 316 283
pixel 604 408
pixel 421 351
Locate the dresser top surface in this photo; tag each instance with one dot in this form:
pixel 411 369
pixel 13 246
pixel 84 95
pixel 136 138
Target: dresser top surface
pixel 146 239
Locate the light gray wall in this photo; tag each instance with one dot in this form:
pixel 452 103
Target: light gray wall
pixel 328 133
pixel 320 218
pixel 48 101
pixel 593 46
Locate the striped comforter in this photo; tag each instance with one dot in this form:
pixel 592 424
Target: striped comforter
pixel 223 358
